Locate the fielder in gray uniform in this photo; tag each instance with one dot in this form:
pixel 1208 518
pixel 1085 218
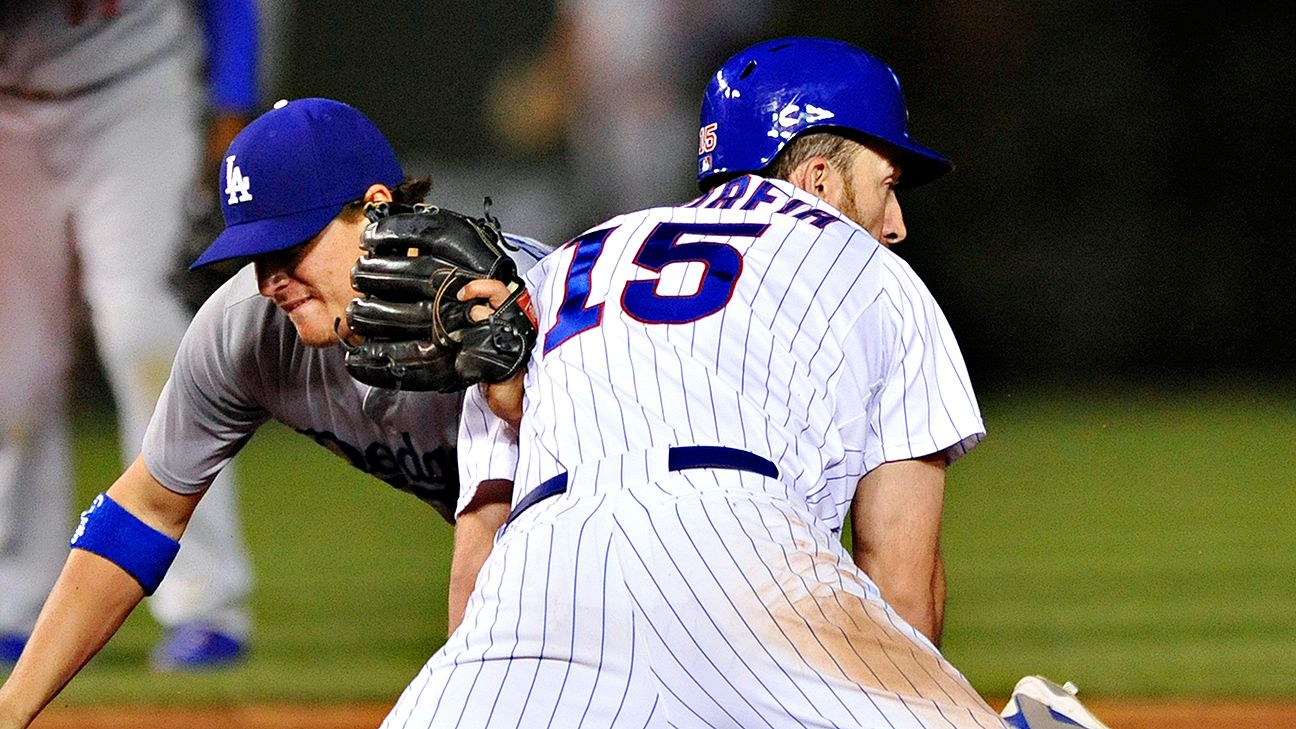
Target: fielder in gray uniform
pixel 100 121
pixel 264 347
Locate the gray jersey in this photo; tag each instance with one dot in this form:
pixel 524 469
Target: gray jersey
pixel 63 47
pixel 241 364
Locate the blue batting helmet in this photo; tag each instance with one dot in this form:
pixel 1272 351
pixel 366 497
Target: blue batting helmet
pixel 766 95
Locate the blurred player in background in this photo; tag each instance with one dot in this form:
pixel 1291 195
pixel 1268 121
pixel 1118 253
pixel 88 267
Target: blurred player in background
pixel 613 84
pixel 266 346
pixel 717 387
pixel 100 145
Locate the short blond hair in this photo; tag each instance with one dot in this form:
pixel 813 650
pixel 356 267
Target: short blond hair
pixel 837 150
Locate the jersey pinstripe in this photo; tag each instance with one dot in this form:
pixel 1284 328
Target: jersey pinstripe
pixel 754 318
pixel 829 357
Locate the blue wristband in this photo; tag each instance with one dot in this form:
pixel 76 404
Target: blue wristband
pixel 108 530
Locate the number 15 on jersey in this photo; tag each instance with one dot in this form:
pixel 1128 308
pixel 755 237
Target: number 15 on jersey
pixel 639 298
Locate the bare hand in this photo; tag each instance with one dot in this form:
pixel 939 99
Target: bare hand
pixel 494 292
pixel 504 398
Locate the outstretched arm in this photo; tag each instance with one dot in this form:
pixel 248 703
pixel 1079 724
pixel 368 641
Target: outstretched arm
pixel 896 519
pixel 89 602
pixel 479 520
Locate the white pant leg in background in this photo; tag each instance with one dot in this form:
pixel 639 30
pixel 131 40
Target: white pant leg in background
pixel 36 291
pixel 108 170
pixel 210 579
pixel 135 178
pixel 35 520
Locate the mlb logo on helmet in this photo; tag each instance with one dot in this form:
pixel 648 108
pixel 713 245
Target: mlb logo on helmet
pixel 706 145
pixel 309 157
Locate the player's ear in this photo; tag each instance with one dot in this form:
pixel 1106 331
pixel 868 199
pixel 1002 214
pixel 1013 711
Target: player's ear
pixel 819 177
pixel 378 192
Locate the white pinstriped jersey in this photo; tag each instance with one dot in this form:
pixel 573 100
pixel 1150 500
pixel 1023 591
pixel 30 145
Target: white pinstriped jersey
pixel 794 335
pixel 758 319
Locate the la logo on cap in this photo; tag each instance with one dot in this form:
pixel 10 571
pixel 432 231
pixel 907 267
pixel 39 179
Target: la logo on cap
pixel 310 157
pixel 237 186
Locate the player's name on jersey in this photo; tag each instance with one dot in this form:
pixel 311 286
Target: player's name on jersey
pixel 740 194
pixel 403 467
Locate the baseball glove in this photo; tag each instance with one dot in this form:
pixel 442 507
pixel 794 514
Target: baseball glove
pixel 417 333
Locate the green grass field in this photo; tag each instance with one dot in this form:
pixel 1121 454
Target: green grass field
pixel 1140 544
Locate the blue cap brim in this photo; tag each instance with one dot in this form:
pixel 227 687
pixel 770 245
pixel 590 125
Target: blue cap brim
pixel 258 237
pixel 920 164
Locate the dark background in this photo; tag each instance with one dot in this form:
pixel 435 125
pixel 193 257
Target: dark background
pixel 1121 205
pixel 1121 209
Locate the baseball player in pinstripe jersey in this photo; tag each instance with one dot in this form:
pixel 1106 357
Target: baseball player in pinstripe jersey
pixel 717 386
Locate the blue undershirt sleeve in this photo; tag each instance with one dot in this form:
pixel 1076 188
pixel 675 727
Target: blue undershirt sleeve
pixel 230 31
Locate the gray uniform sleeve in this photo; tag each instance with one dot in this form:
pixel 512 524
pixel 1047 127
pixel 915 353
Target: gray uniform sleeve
pixel 525 252
pixel 210 406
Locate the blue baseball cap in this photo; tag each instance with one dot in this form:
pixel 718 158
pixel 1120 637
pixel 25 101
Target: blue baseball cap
pixel 291 171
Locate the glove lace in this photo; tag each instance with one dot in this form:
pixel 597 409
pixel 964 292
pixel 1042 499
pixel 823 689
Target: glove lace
pixel 438 323
pixel 337 332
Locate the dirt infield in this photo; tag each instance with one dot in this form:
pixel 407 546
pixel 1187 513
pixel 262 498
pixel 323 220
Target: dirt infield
pixel 238 717
pixel 1117 714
